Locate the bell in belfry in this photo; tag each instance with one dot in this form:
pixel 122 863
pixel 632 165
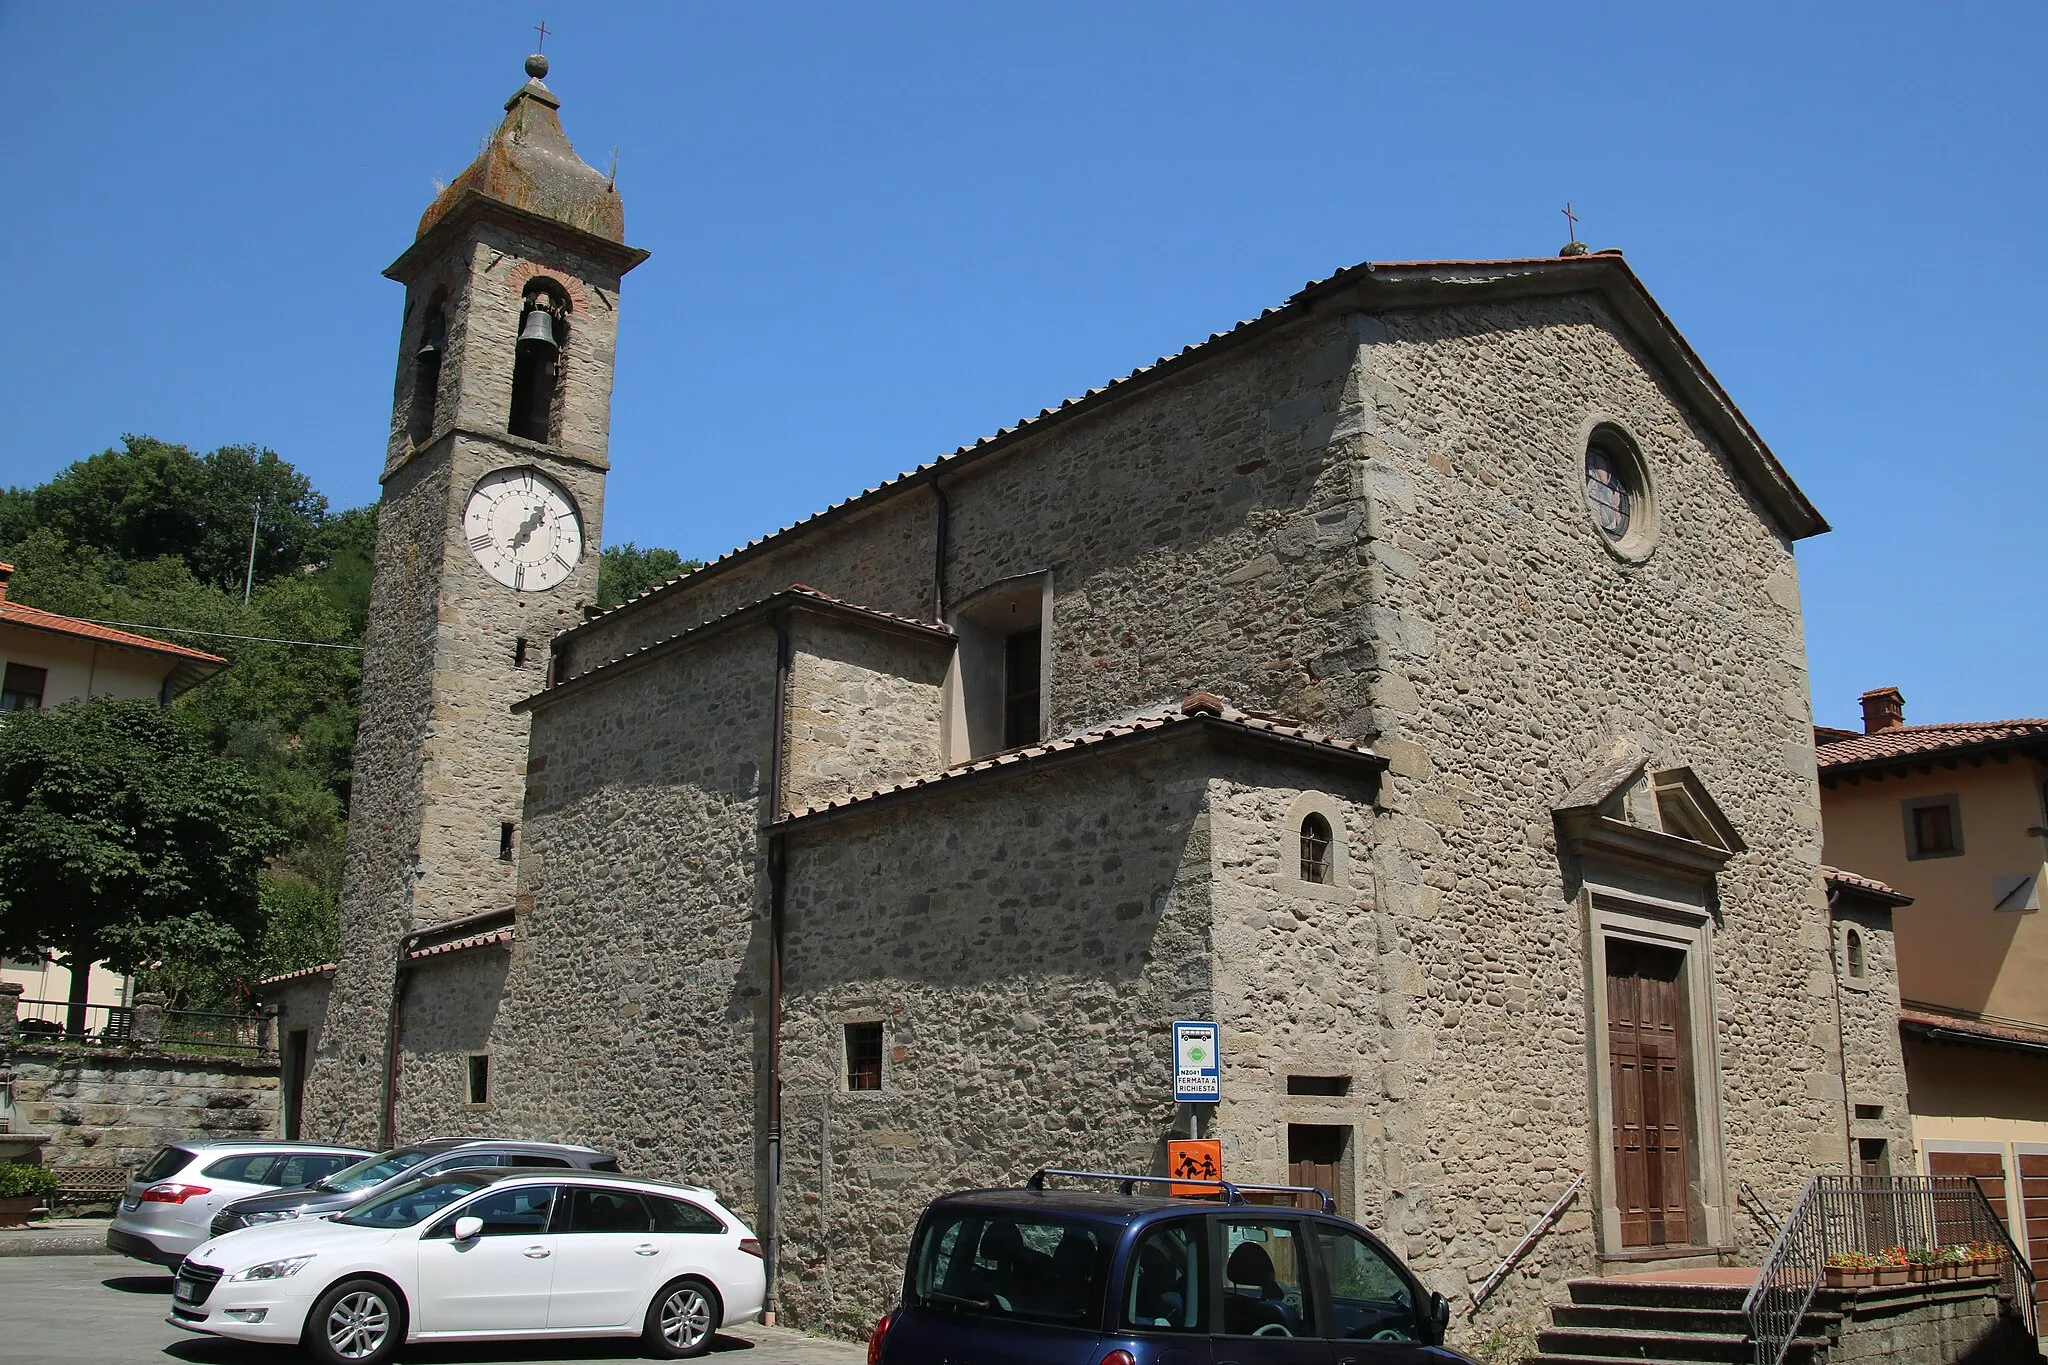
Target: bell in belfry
pixel 538 332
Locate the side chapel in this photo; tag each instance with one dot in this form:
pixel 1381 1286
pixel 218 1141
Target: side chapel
pixel 1411 679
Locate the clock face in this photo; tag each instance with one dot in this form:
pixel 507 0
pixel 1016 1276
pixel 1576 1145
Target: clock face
pixel 522 527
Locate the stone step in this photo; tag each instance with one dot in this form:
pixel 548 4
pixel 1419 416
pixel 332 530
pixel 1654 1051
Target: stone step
pixel 1694 1348
pixel 1649 1317
pixel 1657 1293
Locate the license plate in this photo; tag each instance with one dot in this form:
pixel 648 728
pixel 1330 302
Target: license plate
pixel 186 1292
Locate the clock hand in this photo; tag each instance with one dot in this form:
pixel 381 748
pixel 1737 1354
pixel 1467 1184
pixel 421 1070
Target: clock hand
pixel 527 527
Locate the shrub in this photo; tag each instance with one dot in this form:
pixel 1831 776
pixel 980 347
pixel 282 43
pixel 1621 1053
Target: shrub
pixel 18 1179
pixel 1853 1260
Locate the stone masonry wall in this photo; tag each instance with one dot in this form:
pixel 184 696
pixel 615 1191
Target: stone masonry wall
pixel 450 1009
pixel 631 1010
pixel 439 753
pixel 1506 649
pixel 117 1109
pixel 1026 943
pixel 863 708
pixel 1870 1034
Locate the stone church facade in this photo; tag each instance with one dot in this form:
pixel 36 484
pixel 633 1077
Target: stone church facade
pixel 1411 680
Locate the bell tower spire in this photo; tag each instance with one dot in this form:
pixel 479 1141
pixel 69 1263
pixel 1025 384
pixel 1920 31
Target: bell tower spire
pixel 487 545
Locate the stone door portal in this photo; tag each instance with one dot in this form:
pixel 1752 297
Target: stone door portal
pixel 1648 1060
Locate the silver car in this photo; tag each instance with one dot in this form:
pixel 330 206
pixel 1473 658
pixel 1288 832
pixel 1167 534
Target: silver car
pixel 170 1202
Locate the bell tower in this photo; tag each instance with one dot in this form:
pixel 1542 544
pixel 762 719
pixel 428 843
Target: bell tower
pixel 487 544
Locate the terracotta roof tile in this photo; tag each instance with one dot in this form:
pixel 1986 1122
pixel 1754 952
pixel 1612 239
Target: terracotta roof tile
pixel 15 613
pixel 303 973
pixel 1918 1017
pixel 1856 881
pixel 1198 708
pixel 799 593
pixel 483 940
pixel 1915 741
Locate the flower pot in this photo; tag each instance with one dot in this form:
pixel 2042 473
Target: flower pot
pixel 1847 1277
pixel 1894 1274
pixel 17 1211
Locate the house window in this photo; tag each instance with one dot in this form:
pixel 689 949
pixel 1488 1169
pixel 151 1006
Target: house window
pixel 1853 950
pixel 1934 827
pixel 1315 849
pixel 479 1078
pixel 22 689
pixel 864 1056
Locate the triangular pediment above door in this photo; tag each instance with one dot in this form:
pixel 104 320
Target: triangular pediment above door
pixel 1629 809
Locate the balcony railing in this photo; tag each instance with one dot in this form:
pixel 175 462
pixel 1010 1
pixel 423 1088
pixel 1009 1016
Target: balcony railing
pixel 121 1026
pixel 1871 1215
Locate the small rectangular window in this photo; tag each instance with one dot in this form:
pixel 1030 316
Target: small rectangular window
pixel 519 652
pixel 1021 688
pixel 1869 1111
pixel 1318 1085
pixel 22 688
pixel 864 1056
pixel 479 1078
pixel 505 830
pixel 1934 827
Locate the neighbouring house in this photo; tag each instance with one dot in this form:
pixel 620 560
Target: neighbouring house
pixel 47 660
pixel 1955 816
pixel 1410 680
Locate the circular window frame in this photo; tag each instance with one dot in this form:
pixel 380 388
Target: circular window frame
pixel 1645 519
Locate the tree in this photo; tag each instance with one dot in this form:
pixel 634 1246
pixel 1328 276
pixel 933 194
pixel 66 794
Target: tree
pixel 625 571
pixel 121 836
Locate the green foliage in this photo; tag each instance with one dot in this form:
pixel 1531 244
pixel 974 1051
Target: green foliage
pixel 625 571
pixel 154 534
pixel 151 500
pixel 19 1180
pixel 122 835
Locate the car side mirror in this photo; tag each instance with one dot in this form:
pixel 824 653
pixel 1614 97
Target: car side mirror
pixel 1437 1320
pixel 469 1228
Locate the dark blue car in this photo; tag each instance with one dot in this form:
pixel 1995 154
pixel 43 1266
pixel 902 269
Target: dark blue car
pixel 1107 1276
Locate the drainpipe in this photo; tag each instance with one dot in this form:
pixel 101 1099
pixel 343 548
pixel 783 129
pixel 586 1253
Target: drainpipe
pixel 772 1197
pixel 939 551
pixel 1841 1041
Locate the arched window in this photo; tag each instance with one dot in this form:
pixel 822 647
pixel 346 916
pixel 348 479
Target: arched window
pixel 1853 949
pixel 1315 850
pixel 537 365
pixel 426 370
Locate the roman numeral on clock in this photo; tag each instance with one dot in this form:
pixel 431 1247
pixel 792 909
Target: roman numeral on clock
pixel 480 543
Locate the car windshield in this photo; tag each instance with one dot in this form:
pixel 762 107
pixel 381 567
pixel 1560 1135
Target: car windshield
pixel 371 1171
pixel 995 1263
pixel 415 1201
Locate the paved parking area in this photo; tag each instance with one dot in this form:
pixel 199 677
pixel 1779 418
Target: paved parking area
pixel 108 1310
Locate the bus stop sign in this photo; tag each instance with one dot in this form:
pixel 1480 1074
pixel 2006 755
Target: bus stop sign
pixel 1197 1063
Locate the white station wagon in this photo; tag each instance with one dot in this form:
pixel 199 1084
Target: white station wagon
pixel 474 1255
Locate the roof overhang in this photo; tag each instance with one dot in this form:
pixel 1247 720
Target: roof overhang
pixel 474 206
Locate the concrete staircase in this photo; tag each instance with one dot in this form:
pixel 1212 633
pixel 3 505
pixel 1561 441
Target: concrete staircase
pixel 1700 1324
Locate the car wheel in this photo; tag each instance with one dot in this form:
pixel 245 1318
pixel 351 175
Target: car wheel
pixel 683 1318
pixel 356 1322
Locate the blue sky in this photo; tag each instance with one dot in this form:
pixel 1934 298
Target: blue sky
pixel 882 231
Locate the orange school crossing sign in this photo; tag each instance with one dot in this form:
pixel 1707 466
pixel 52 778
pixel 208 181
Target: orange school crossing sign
pixel 1194 1159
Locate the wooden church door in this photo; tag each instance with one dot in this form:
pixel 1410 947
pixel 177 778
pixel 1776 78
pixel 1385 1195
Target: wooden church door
pixel 1649 1067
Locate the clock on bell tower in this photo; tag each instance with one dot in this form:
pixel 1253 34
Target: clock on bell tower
pixel 487 538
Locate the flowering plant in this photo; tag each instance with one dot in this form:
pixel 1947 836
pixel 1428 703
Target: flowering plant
pixel 1853 1260
pixel 1893 1256
pixel 1922 1256
pixel 1955 1253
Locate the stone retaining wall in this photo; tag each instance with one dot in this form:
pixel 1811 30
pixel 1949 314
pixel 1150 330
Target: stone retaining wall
pixel 117 1108
pixel 1948 1323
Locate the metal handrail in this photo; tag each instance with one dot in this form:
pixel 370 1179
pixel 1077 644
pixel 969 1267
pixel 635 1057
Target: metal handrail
pixel 1868 1214
pixel 1232 1191
pixel 1765 1216
pixel 1536 1230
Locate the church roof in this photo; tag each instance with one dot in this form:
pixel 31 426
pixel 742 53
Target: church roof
pixel 797 595
pixel 1374 286
pixel 1197 712
pixel 1839 880
pixel 529 164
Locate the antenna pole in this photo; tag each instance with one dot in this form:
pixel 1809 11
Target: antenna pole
pixel 249 578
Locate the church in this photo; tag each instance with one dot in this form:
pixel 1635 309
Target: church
pixel 1411 680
